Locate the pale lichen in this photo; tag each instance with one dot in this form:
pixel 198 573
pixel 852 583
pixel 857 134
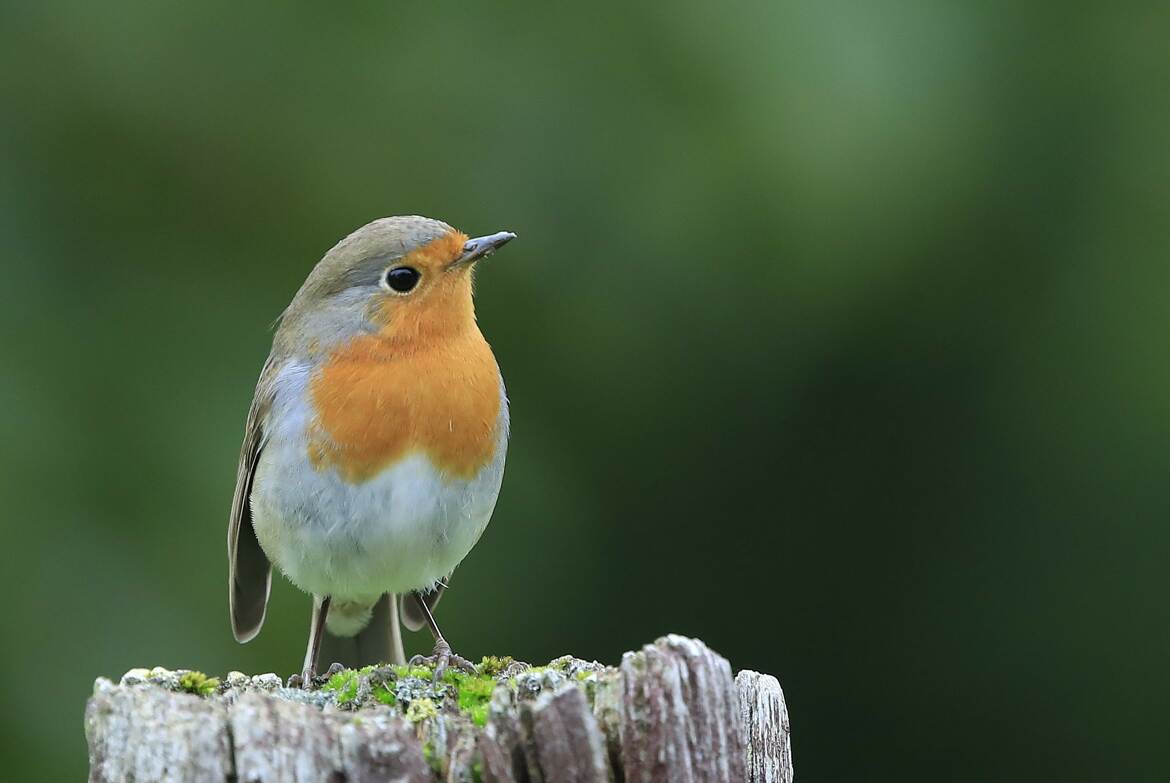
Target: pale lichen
pixel 421 709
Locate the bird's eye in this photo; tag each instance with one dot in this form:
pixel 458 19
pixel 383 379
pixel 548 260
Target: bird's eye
pixel 402 279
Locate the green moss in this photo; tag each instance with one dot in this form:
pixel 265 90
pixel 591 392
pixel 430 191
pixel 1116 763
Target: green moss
pixel 198 683
pixel 410 688
pixel 494 665
pixel 344 684
pixel 420 710
pixel 385 694
pixel 422 672
pixel 478 713
pixel 473 694
pixel 431 758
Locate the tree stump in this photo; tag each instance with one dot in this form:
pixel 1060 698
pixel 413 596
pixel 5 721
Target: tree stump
pixel 670 712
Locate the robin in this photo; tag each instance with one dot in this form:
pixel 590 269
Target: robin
pixel 374 448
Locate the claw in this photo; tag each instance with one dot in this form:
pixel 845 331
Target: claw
pixel 441 658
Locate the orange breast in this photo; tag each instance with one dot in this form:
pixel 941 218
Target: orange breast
pixel 377 402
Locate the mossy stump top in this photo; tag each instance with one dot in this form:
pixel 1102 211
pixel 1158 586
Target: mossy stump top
pixel 670 712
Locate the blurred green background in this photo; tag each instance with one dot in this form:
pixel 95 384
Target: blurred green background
pixel 835 335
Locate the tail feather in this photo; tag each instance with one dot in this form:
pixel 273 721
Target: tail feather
pixel 362 636
pixel 412 615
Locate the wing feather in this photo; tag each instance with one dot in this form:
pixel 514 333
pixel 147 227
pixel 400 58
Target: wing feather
pixel 249 572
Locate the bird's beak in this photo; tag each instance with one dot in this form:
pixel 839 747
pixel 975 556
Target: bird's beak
pixel 481 247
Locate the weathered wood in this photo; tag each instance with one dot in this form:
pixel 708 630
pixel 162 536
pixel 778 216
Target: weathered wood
pixel 501 745
pixel 564 736
pixel 671 712
pixel 680 718
pixel 277 740
pixel 378 749
pixel 152 734
pixel 764 723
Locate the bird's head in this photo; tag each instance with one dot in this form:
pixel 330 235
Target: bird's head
pixel 408 279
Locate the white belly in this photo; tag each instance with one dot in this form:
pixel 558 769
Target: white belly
pixel 404 529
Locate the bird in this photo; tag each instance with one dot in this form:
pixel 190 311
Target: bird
pixel 374 447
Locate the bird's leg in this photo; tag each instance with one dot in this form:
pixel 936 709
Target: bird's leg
pixel 441 656
pixel 316 629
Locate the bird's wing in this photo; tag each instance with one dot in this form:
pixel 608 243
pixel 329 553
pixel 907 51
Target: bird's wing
pixel 412 616
pixel 249 572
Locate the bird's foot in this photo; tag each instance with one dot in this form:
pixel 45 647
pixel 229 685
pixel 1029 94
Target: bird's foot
pixel 308 678
pixel 441 658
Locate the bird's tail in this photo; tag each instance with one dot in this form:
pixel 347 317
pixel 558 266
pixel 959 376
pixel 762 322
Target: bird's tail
pixel 361 635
